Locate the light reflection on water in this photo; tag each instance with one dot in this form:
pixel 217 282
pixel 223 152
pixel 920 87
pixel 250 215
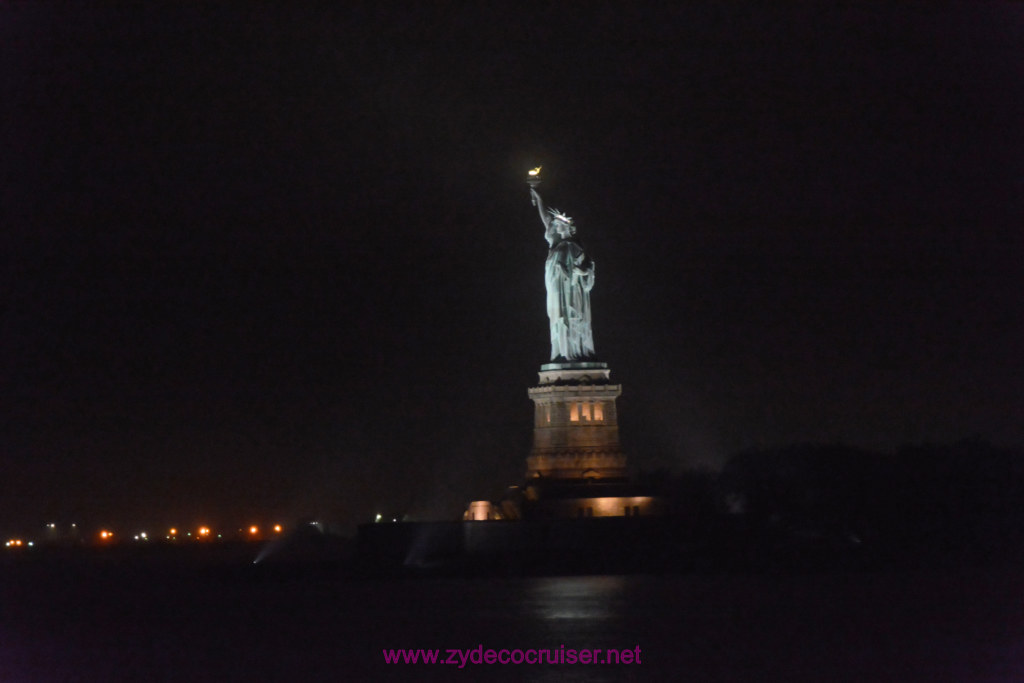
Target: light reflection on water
pixel 579 612
pixel 574 597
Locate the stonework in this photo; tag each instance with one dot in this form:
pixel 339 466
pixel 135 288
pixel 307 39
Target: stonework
pixel 575 428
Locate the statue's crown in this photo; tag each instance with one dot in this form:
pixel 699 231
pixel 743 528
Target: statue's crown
pixel 559 216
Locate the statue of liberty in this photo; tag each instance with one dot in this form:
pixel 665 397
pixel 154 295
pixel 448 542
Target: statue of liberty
pixel 569 277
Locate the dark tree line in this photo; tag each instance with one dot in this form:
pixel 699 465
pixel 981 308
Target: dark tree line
pixel 806 505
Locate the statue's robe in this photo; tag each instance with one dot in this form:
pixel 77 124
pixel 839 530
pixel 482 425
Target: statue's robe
pixel 569 277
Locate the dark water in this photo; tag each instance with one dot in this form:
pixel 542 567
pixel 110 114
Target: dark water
pixel 67 623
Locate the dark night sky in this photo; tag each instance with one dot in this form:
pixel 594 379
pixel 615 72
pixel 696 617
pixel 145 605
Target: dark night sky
pixel 272 260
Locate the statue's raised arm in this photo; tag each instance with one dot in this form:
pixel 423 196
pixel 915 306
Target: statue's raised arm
pixel 549 232
pixel 539 203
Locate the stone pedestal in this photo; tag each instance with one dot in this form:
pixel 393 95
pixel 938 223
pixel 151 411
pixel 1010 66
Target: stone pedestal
pixel 575 427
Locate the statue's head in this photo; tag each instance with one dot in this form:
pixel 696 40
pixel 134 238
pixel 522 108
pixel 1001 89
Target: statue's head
pixel 562 224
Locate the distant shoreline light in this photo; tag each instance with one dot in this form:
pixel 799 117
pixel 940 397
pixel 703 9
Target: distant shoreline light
pixel 54 533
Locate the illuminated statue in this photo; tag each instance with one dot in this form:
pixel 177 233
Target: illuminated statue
pixel 569 277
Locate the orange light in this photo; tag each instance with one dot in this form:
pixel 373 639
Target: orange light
pixel 253 530
pixel 173 532
pixel 277 528
pixel 204 531
pixel 106 535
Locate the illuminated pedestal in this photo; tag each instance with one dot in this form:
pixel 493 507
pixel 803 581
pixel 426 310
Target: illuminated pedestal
pixel 576 468
pixel 575 428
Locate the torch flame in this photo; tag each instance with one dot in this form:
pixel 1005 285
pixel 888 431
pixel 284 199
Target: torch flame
pixel 535 171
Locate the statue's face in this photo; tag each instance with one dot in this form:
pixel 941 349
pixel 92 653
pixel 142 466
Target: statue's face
pixel 563 229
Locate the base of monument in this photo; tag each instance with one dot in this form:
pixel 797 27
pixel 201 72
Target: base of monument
pixel 579 465
pixel 573 365
pixel 576 372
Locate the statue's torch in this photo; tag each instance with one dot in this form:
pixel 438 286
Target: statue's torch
pixel 533 180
